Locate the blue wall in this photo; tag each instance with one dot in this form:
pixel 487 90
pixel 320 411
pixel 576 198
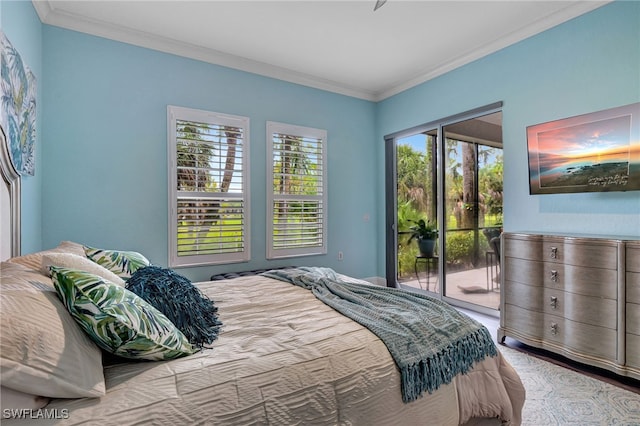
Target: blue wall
pixel 105 144
pixel 21 25
pixel 101 149
pixel 588 64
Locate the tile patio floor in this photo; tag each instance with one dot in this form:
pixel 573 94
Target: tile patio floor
pixel 458 282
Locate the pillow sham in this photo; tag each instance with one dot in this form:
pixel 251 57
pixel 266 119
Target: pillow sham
pixel 179 300
pixel 121 263
pixel 34 260
pixel 116 319
pixel 42 349
pixel 72 261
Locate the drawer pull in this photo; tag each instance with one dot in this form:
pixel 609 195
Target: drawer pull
pixel 554 328
pixel 553 302
pixel 554 276
pixel 554 252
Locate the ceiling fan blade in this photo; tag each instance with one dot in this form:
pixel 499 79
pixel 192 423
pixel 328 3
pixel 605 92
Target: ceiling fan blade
pixel 379 4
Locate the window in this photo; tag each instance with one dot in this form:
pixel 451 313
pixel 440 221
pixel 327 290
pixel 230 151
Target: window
pixel 296 191
pixel 208 187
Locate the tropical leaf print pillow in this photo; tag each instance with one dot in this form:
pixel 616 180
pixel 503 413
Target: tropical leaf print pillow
pixel 121 263
pixel 116 319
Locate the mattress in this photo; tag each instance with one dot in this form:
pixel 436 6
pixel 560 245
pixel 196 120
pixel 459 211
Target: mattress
pixel 285 358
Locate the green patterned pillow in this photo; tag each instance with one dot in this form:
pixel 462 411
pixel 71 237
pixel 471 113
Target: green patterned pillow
pixel 121 263
pixel 116 319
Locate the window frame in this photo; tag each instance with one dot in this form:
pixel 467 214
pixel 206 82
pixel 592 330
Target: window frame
pixel 175 113
pixel 304 132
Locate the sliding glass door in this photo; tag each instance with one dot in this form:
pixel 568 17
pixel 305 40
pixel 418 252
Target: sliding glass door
pixel 472 211
pixel 447 174
pixel 416 186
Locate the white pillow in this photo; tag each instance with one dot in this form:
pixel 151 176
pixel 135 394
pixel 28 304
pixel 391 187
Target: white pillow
pixel 42 349
pixel 11 399
pixel 72 261
pixel 34 260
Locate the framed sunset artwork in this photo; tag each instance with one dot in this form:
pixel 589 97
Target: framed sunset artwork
pixel 595 152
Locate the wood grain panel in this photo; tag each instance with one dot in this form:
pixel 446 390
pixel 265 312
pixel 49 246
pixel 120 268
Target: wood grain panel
pixel 524 271
pixel 523 295
pixel 595 254
pixel 522 246
pixel 595 282
pixel 583 338
pixel 633 350
pixel 523 320
pixel 586 309
pixel 633 319
pixel 633 287
pixel 587 281
pixel 633 256
pixel 578 308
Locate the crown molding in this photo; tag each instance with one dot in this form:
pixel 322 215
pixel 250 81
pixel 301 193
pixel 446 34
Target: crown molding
pixel 49 15
pixel 55 17
pixel 568 13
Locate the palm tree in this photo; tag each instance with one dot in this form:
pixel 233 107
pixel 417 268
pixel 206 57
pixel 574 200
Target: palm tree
pixel 469 202
pixel 414 178
pixel 230 162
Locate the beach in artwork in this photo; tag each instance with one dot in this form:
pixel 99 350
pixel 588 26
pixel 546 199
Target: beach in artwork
pixel 595 154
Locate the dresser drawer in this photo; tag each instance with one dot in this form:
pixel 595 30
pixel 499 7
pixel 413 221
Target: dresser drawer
pixel 633 350
pixel 579 280
pixel 525 321
pixel 633 257
pixel 633 319
pixel 522 246
pixel 584 339
pixel 633 287
pixel 583 309
pixel 523 271
pixel 571 251
pixel 591 254
pixel 575 307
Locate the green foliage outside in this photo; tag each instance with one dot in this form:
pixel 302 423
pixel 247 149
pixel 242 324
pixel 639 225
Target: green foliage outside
pixel 211 225
pixel 416 200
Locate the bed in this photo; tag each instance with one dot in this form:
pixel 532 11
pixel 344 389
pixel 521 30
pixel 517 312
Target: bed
pixel 282 357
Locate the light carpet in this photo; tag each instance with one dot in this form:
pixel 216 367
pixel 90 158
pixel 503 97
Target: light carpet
pixel 559 396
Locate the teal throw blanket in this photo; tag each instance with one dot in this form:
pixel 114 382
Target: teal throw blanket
pixel 430 341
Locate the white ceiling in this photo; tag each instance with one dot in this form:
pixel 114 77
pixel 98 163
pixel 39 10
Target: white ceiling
pixel 340 46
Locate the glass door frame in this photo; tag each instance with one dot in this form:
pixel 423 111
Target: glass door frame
pixel 391 198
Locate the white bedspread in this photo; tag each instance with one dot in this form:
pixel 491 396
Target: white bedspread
pixel 285 358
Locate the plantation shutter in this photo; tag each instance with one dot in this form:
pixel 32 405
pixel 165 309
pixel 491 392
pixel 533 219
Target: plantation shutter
pixel 297 196
pixel 209 179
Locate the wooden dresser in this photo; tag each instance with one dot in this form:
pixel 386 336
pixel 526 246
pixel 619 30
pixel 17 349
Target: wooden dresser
pixel 633 306
pixel 578 296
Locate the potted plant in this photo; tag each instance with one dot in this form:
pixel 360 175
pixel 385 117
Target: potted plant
pixel 425 233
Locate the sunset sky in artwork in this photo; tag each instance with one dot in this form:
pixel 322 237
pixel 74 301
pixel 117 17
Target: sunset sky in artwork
pixel 609 137
pixel 594 152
